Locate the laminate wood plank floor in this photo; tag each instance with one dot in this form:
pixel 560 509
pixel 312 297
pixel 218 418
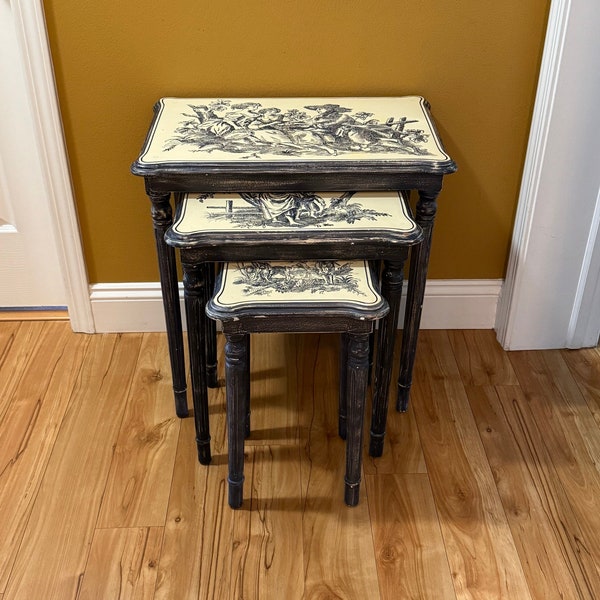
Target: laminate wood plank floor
pixel 489 486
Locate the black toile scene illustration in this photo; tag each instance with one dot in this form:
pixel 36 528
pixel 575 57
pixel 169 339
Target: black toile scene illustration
pixel 290 209
pixel 325 129
pixel 263 278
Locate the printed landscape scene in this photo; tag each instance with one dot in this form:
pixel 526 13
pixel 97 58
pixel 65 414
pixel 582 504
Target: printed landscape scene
pixel 263 278
pixel 281 210
pixel 252 130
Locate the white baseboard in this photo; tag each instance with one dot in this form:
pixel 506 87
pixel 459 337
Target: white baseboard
pixel 460 303
pixel 449 304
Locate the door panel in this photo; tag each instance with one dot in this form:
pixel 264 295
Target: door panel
pixel 30 274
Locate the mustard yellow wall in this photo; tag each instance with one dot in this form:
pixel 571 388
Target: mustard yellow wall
pixel 476 61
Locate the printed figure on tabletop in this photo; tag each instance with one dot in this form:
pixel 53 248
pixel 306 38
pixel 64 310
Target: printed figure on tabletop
pixel 325 129
pixel 297 209
pixel 263 278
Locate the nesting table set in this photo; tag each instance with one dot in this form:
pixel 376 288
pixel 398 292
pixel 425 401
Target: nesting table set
pixel 316 182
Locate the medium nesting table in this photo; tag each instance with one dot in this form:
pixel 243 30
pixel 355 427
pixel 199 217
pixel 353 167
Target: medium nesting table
pixel 324 226
pixel 276 145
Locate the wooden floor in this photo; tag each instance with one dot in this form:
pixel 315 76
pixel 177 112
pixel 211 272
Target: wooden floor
pixel 489 487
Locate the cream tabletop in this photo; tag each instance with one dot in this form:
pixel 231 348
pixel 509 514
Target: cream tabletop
pixel 226 132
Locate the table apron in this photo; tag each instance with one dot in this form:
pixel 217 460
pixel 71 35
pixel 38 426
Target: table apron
pixel 195 182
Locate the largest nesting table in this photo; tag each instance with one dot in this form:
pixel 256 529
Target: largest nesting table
pixel 267 145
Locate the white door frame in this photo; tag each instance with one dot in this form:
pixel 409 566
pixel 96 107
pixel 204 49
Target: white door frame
pixel 30 27
pixel 551 296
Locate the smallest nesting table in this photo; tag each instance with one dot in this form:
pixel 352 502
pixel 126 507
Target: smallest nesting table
pixel 297 296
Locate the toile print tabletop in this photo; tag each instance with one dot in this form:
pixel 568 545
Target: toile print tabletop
pixel 211 214
pixel 229 133
pixel 258 284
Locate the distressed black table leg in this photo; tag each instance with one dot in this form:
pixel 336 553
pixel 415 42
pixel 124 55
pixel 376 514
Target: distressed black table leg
pixel 343 410
pixel 211 330
pixel 371 355
pixel 391 290
pixel 193 285
pixel 419 262
pixel 162 217
pixel 247 388
pixel 357 374
pixel 236 369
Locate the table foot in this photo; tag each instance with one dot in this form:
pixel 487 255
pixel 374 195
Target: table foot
pixel 351 493
pixel 403 398
pixel 212 380
pixel 376 444
pixel 181 407
pixel 236 493
pixel 203 447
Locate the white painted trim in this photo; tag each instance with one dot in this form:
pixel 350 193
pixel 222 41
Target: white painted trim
pixel 551 292
pixel 31 33
pixel 460 303
pixel 584 326
pixel 532 172
pixel 449 304
pixel 125 307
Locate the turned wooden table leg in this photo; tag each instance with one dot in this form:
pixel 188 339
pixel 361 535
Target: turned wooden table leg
pixel 419 262
pixel 162 217
pixel 247 388
pixel 193 285
pixel 391 290
pixel 342 399
pixel 210 327
pixel 236 371
pixel 356 390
